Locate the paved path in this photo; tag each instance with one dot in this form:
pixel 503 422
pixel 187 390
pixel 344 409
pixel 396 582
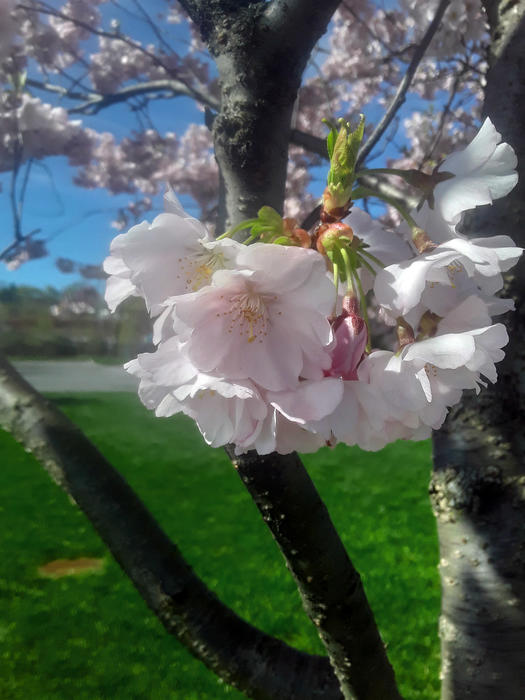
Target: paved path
pixel 69 375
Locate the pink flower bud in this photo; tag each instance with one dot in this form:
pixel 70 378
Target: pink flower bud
pixel 351 336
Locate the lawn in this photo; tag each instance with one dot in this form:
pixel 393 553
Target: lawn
pixel 90 636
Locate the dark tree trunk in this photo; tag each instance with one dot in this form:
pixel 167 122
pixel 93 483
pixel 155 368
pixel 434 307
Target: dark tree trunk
pixel 261 50
pixel 478 486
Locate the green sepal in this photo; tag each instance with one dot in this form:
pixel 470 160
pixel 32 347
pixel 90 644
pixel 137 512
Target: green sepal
pixel 281 240
pixel 268 225
pixel 336 257
pixel 269 216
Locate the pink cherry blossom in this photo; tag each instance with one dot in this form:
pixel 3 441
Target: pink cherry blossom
pixel 358 418
pixel 266 320
pixel 399 287
pixel 8 26
pixel 422 381
pixel 386 246
pixel 279 434
pixel 171 256
pixel 225 411
pixel 483 171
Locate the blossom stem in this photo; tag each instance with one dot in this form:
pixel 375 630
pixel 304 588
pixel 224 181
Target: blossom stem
pixel 368 266
pixel 381 171
pixel 248 223
pixel 348 266
pixel 364 251
pixel 336 284
pixel 352 276
pixel 361 192
pixel 364 311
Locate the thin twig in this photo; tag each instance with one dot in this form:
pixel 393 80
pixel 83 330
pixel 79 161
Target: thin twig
pixel 400 95
pixel 60 90
pixel 15 244
pixel 23 190
pixel 12 191
pixel 366 26
pixel 443 117
pixel 153 27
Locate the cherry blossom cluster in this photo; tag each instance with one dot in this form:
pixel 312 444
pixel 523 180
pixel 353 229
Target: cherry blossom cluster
pixel 7 27
pixel 34 129
pixel 266 344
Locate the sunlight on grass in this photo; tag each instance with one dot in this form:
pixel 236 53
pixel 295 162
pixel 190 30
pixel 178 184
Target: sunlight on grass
pixel 91 636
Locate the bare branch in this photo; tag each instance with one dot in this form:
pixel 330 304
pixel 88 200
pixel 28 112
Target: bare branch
pixel 298 21
pixel 4 254
pixel 23 189
pixel 60 90
pixel 443 116
pixel 153 26
pixel 311 143
pixel 257 664
pixel 388 191
pixel 17 159
pixel 152 89
pixel 400 95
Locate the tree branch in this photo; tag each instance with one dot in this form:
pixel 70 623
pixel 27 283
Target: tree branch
pixel 298 21
pixel 252 135
pixel 257 664
pixel 93 102
pixel 152 88
pixel 12 194
pixel 311 143
pixel 402 89
pixel 443 116
pixel 329 585
pixel 60 90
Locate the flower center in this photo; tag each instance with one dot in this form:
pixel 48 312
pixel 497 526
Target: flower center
pixel 248 314
pixel 197 269
pixel 431 370
pixel 452 269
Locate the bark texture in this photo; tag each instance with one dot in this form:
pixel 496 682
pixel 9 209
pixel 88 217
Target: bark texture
pixel 261 50
pixel 329 585
pixel 478 486
pixel 257 664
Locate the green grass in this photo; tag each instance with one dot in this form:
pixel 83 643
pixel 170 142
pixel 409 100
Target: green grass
pixel 91 636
